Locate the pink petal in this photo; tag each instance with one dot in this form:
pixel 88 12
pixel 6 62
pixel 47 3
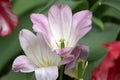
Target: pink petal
pixel 4 27
pixel 82 24
pixel 80 51
pixel 46 73
pixel 84 52
pixel 40 23
pixel 67 59
pixel 60 19
pixel 22 64
pixel 62 52
pixel 8 20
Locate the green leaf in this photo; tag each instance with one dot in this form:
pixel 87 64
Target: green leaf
pixel 96 5
pixel 76 5
pixel 18 76
pixel 98 22
pixel 112 3
pixel 22 6
pixel 14 76
pixel 112 13
pixel 95 38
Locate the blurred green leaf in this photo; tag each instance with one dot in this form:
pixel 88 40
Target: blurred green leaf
pixel 14 76
pixel 76 5
pixel 18 76
pixel 95 38
pixel 22 6
pixel 98 23
pixel 112 3
pixel 112 13
pixel 96 5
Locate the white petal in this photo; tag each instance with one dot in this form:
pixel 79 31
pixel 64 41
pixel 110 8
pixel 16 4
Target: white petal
pixel 46 73
pixel 30 44
pixel 60 19
pixel 22 64
pixel 37 50
pixel 48 57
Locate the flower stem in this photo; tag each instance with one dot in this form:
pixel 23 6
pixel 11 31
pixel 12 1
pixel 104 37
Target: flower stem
pixel 61 72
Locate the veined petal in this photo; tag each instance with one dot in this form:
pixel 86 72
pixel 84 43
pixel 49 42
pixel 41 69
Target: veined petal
pixel 60 19
pixel 40 23
pixel 37 50
pixel 76 53
pixel 63 51
pixel 22 64
pixel 67 59
pixel 48 57
pixel 30 44
pixel 46 73
pixel 84 52
pixel 82 24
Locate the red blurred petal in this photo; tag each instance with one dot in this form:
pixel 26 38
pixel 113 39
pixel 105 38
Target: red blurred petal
pixel 8 20
pixel 109 69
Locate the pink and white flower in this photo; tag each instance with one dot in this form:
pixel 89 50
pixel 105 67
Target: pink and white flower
pixel 8 20
pixel 60 29
pixel 39 57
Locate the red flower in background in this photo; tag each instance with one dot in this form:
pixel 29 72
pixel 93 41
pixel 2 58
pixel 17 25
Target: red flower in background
pixel 109 68
pixel 8 20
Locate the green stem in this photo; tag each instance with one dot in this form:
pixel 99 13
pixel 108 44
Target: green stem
pixel 61 72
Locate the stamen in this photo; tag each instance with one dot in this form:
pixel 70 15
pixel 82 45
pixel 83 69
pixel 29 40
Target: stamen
pixel 62 45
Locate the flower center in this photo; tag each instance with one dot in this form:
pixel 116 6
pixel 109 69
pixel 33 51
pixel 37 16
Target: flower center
pixel 61 43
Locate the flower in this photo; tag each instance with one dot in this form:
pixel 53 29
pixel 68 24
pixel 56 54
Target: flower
pixel 109 68
pixel 39 57
pixel 60 29
pixel 8 20
pixel 80 52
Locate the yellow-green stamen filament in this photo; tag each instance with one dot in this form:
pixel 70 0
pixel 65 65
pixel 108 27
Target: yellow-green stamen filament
pixel 62 44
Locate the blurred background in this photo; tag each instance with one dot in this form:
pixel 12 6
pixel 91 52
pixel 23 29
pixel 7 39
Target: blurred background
pixel 106 27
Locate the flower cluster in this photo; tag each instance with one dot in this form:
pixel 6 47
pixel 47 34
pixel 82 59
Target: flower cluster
pixel 8 20
pixel 55 43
